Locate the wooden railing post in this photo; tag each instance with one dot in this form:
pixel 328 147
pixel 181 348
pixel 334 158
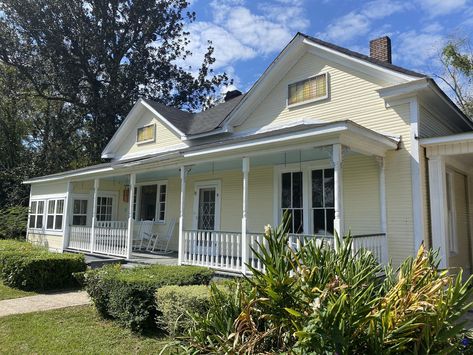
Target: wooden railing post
pixel 129 249
pixel 244 220
pixel 94 214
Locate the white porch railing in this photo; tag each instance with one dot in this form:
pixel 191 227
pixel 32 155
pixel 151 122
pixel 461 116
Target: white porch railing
pixel 110 238
pixel 223 250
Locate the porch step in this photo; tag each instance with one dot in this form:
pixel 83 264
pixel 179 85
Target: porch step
pixel 95 261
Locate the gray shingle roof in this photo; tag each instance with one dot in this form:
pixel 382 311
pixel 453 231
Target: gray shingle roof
pixel 363 57
pixel 196 123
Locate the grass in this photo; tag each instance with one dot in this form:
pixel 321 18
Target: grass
pixel 74 330
pixel 7 293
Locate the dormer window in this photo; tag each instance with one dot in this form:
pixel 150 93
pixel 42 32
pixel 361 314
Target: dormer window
pixel 308 90
pixel 146 134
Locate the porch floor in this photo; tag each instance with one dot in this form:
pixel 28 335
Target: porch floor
pixel 139 258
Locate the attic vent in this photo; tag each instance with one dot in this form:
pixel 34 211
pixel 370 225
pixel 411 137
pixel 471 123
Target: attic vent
pixel 380 49
pixel 232 94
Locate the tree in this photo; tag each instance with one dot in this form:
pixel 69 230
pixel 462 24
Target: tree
pixel 457 60
pixel 100 56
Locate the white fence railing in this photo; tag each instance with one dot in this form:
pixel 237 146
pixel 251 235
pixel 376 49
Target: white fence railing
pixel 224 250
pixel 110 238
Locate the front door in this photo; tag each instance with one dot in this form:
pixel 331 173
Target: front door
pixel 207 206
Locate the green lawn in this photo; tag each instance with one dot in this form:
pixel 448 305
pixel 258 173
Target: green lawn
pixel 75 330
pixel 7 293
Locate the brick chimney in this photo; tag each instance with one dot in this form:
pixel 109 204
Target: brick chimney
pixel 380 48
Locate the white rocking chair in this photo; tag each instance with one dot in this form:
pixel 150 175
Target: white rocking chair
pixel 160 244
pixel 145 234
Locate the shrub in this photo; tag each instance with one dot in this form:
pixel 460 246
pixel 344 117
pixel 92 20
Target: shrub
pixel 38 270
pixel 16 245
pixel 177 304
pixel 319 300
pixel 13 222
pixel 128 295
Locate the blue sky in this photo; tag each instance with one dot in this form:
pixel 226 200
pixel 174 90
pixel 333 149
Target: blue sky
pixel 247 35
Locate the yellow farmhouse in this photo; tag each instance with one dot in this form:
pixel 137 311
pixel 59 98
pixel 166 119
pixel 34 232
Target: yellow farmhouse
pixel 344 142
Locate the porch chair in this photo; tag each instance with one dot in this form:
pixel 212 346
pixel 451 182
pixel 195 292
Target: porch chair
pixel 159 244
pixel 145 234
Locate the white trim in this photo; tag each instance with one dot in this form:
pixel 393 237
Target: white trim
pixel 82 196
pixel 158 184
pixel 453 138
pixel 452 236
pixel 417 199
pixel 149 152
pixel 63 177
pixel 114 195
pixel 129 232
pixel 67 215
pixel 217 184
pixel 207 134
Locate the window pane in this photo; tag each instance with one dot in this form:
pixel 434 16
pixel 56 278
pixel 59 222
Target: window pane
pixel 286 190
pixel 40 207
pixel 83 208
pixel 32 221
pixel 58 223
pixel 39 221
pixel 297 189
pixel 60 206
pixel 50 222
pixel 298 221
pixel 319 221
pixel 51 205
pixel 321 85
pixel 76 207
pixel 330 217
pixel 33 207
pixel 329 187
pixel 148 202
pixel 317 189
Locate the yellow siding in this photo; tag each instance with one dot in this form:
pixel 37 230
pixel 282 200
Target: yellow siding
pixel 361 195
pixel 48 189
pixel 165 138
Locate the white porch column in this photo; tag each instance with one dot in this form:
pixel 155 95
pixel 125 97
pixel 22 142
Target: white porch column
pixel 94 214
pixel 438 207
pixel 382 206
pixel 131 198
pixel 180 255
pixel 338 193
pixel 67 216
pixel 244 219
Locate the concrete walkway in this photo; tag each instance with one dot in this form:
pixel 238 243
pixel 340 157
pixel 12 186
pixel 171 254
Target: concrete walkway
pixel 43 302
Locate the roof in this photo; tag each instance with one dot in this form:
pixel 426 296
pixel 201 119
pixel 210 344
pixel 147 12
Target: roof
pixel 363 57
pixel 277 135
pixel 196 123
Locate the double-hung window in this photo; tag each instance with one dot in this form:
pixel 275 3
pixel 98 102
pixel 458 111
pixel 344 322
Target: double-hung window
pixel 323 208
pixel 104 208
pixel 55 214
pixel 79 212
pixel 150 201
pixel 36 214
pixel 292 200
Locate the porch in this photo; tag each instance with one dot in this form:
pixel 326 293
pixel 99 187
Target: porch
pixel 221 206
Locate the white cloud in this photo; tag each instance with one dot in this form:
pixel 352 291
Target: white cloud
pixel 419 49
pixel 441 7
pixel 238 33
pixel 358 23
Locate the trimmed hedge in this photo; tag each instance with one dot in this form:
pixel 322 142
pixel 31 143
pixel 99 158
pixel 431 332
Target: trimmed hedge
pixel 128 295
pixel 176 303
pixel 32 268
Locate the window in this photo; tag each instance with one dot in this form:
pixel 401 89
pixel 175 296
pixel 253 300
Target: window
pixel 323 211
pixel 149 203
pixel 207 208
pixel 146 134
pixel 36 214
pixel 55 214
pixel 104 208
pixel 291 200
pixel 314 88
pixel 79 213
